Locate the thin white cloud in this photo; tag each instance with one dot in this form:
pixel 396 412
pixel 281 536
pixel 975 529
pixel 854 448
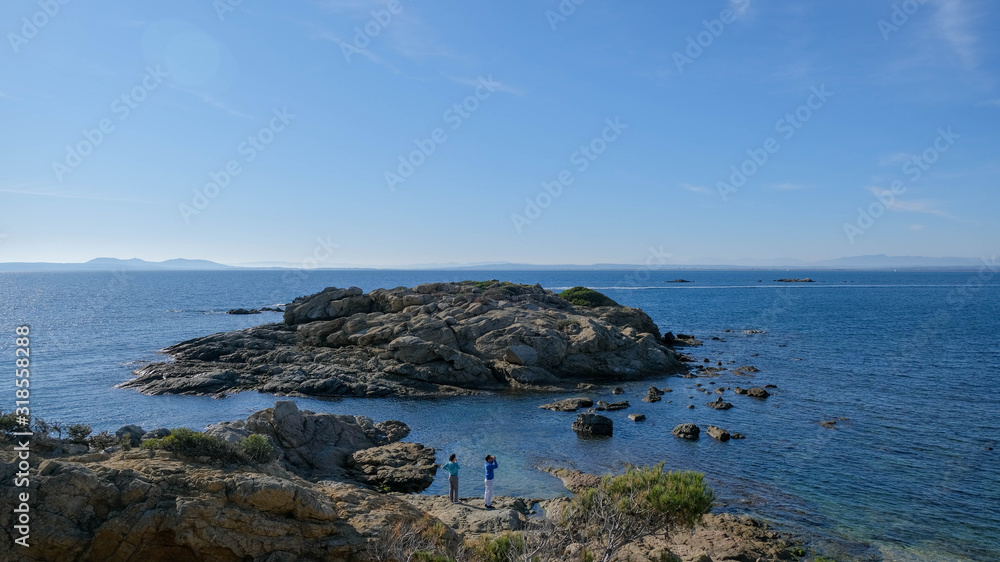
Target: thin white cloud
pixel 64 195
pixel 895 158
pixel 787 186
pixel 696 188
pixel 954 21
pixel 740 8
pixel 496 84
pixel 926 206
pixel 214 102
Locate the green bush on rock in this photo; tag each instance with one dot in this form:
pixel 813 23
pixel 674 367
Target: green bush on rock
pixel 582 296
pixel 253 449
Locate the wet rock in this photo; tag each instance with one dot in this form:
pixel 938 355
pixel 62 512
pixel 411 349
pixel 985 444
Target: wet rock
pixel 602 406
pixel 688 431
pixel 637 417
pixel 618 390
pixel 574 480
pixel 593 425
pixel 568 405
pixel 718 404
pixel 758 393
pixel 243 311
pixel 718 433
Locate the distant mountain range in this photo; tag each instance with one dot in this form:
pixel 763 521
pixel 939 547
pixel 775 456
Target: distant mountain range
pixel 879 261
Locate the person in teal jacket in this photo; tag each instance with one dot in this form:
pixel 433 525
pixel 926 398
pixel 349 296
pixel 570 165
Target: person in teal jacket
pixel 452 468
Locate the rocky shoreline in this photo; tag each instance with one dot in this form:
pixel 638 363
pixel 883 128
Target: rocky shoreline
pixel 330 491
pixel 430 340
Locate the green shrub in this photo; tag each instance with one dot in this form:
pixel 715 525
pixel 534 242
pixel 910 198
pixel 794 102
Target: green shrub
pixel 79 432
pixel 582 296
pixel 189 443
pixel 500 548
pixel 642 501
pixel 257 448
pixel 8 423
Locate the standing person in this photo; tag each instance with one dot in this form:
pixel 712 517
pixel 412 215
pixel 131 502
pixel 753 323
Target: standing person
pixel 490 466
pixel 452 468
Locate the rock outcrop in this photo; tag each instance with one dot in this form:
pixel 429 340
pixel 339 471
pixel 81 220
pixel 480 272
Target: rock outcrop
pixel 568 405
pixel 327 446
pixel 590 425
pixel 433 339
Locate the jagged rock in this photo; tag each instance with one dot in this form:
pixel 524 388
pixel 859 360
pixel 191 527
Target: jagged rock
pixel 688 431
pixel 718 433
pixel 568 405
pixel 314 446
pixel 593 425
pixel 574 480
pixel 398 467
pixel 137 506
pixel 157 433
pixel 718 404
pixel 652 398
pixel 613 406
pixel 521 355
pixel 134 433
pixel 433 339
pixel 758 392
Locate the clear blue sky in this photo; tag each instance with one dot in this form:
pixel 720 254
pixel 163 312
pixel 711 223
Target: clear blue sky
pixel 181 86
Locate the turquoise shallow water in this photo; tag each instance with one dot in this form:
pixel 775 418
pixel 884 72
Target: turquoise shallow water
pixel 910 359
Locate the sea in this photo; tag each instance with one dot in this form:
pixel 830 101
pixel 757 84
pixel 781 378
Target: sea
pixel 906 363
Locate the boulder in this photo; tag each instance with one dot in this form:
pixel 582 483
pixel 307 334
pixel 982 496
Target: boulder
pixel 688 431
pixel 568 405
pixel 134 433
pixel 397 467
pixel 521 355
pixel 718 433
pixel 637 417
pixel 618 390
pixel 593 425
pixel 157 433
pixel 758 392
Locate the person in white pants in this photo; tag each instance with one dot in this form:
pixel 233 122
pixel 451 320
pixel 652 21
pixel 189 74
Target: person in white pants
pixel 490 466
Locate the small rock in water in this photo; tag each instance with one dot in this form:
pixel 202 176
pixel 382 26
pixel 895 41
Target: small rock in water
pixel 637 417
pixel 593 425
pixel 688 431
pixel 618 390
pixel 719 404
pixel 718 433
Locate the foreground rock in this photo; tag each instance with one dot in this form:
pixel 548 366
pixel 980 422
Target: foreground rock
pixel 152 506
pixel 399 467
pixel 325 446
pixel 433 339
pixel 593 425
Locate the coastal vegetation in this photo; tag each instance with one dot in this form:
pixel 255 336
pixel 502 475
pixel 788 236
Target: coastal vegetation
pixel 582 296
pixel 193 444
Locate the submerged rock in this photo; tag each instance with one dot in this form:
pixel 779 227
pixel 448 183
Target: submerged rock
pixel 433 339
pixel 568 405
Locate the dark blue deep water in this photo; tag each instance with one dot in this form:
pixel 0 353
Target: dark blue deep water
pixel 910 360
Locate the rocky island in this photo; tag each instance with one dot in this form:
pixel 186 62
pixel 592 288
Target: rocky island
pixel 432 339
